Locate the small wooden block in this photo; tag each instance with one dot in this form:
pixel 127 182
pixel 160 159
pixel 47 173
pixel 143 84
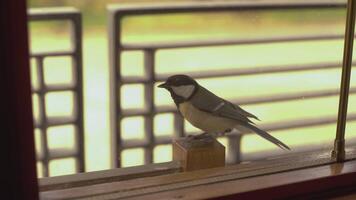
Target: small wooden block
pixel 195 155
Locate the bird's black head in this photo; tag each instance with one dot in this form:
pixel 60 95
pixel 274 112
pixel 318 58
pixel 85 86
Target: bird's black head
pixel 181 87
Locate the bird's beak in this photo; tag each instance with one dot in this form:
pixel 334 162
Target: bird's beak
pixel 163 85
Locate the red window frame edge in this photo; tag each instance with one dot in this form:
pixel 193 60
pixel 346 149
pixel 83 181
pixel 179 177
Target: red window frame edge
pixel 19 168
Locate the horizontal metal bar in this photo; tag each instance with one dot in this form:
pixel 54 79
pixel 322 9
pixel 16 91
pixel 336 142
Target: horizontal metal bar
pixel 134 112
pixel 55 88
pixel 56 121
pixel 52 13
pixel 166 109
pixel 273 153
pixel 206 6
pixel 132 143
pixel 62 153
pixel 137 111
pixel 59 153
pixel 305 123
pixel 277 126
pixel 134 80
pixel 293 96
pixel 256 70
pixel 234 72
pixel 163 140
pixel 52 53
pixel 135 143
pixel 226 42
pixel 248 101
pixel 38 124
pixel 300 123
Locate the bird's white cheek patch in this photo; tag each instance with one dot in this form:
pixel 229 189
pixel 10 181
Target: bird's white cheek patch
pixel 184 91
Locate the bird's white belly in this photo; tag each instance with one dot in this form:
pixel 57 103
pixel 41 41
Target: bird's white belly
pixel 203 120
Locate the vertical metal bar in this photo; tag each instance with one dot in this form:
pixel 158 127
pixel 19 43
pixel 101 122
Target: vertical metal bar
pixel 115 86
pixel 339 145
pixel 178 125
pixel 76 38
pixel 43 117
pixel 234 148
pixel 149 64
pixel 43 142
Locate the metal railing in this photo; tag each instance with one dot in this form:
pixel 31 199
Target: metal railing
pixel 117 47
pixel 45 122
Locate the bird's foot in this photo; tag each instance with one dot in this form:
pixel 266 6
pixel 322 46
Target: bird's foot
pixel 208 136
pixel 200 140
pixel 200 136
pixel 223 133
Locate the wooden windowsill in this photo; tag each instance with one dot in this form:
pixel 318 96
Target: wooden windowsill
pixel 107 176
pixel 291 174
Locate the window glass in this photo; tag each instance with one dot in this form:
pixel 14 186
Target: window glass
pixel 279 64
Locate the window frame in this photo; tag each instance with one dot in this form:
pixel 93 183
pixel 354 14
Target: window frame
pixel 19 142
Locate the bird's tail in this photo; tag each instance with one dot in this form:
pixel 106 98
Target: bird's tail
pixel 267 136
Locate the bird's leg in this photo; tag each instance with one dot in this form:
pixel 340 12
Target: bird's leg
pixel 227 130
pixel 209 135
pixel 200 140
pixel 200 136
pixel 223 133
pixel 218 134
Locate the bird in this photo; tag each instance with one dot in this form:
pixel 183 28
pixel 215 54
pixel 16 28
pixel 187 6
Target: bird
pixel 210 113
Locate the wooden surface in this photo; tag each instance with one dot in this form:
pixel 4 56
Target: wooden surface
pixel 107 176
pixel 204 156
pixel 214 182
pixel 292 184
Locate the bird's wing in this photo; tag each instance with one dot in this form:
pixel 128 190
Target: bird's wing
pixel 247 114
pixel 206 101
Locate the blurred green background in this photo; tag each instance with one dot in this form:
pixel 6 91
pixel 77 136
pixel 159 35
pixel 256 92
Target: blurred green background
pixel 189 27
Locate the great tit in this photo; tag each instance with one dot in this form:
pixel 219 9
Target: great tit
pixel 210 113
